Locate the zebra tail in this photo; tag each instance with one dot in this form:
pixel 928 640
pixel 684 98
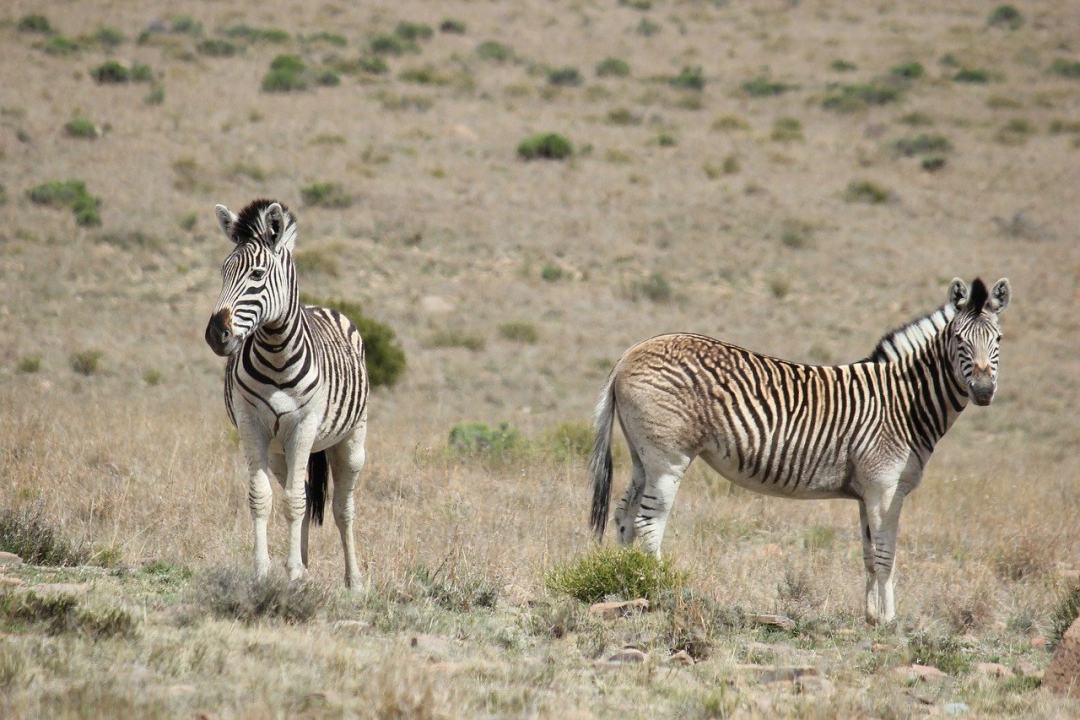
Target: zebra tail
pixel 600 461
pixel 318 473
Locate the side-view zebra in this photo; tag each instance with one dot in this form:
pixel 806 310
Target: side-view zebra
pixel 295 384
pixel 863 431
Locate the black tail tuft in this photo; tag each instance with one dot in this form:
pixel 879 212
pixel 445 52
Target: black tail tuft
pixel 318 473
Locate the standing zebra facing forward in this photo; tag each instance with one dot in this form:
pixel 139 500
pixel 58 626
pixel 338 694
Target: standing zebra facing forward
pixel 863 431
pixel 295 384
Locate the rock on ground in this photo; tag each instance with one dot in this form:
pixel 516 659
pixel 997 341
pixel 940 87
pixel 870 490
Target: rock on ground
pixel 7 558
pixel 1063 674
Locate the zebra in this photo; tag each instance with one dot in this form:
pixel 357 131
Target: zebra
pixel 296 386
pixel 863 431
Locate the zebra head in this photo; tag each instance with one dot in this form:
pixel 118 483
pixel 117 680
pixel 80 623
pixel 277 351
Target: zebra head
pixel 258 276
pixel 975 335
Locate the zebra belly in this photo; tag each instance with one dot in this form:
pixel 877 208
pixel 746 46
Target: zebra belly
pixel 829 481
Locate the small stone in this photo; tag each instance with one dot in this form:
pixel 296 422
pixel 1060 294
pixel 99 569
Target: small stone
pixel 680 658
pixel 7 558
pixel 920 672
pixel 994 670
pixel 612 610
pixel 628 655
pixel 1063 674
pixel 780 621
pixel 955 708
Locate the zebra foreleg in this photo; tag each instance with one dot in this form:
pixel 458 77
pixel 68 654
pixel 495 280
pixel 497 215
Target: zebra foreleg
pixel 280 472
pixel 297 453
pixel 883 506
pixel 346 461
pixel 260 496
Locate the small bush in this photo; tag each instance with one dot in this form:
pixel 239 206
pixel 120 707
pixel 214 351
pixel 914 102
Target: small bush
pixel 217 47
pixel 152 377
pixel 648 28
pixel 612 67
pixel 551 273
pixel 519 331
pixel 86 362
pixel 383 352
pixel 34 24
pixel 655 287
pixel 33 537
pixel 452 26
pixel 571 440
pixel 477 439
pixel 326 195
pixel 728 123
pixel 908 71
pixel 155 96
pixel 917 119
pixel 622 116
pixel 1066 68
pixel 271 36
pixel 80 127
pixel 62 614
pixel 327 78
pixel 922 144
pixel 60 45
pixel 548 146
pixel 185 25
pixel 689 78
pixel 110 72
pixel 796 234
pixel 69 194
pixel 453 338
pixel 972 75
pixel 1061 127
pixel 141 73
pixel 413 31
pixel 946 653
pixel 109 37
pixel 287 73
pixel 494 51
pixel 426 75
pixel 933 163
pixel 625 573
pixel 448 590
pixel 786 129
pixel 1065 614
pixel 779 287
pixel 392 44
pixel 1015 132
pixel 865 191
pixel 373 65
pixel 564 77
pixel 843 66
pixel 1005 16
pixel 29 364
pixel 852 98
pixel 666 139
pixel 764 87
pixel 328 38
pixel 233 594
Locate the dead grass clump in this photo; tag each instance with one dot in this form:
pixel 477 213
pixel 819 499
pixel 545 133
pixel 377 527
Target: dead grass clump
pixel 1015 132
pixel 234 594
pixel 557 618
pixel 86 362
pixel 866 191
pixel 326 195
pixel 29 364
pixel 786 129
pixel 478 440
pixel 62 614
pixel 519 331
pixel 616 572
pixel 654 287
pixel 28 533
pixel 612 67
pixel 1022 557
pixel 693 623
pixel 453 591
pixel 1065 614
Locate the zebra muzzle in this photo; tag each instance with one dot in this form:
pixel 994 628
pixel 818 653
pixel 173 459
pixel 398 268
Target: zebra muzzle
pixel 219 333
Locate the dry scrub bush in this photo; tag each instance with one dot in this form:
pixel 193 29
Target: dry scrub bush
pixel 625 573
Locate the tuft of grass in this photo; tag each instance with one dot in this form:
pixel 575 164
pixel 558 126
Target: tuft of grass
pixel 494 51
pixel 908 71
pixel 454 592
pixel 1060 126
pixel 922 144
pixel 779 287
pixel 34 23
pixel 86 362
pixel 689 78
pixel 69 194
pixel 570 440
pixel 454 338
pixel 622 116
pixel 648 28
pixel 1006 16
pixel 80 127
pixel 945 652
pixel 155 96
pixel 233 594
pixel 109 37
pixel 933 163
pixel 855 97
pixel 551 273
pixel 153 377
pixel 786 129
pixel 621 572
pixel 185 25
pixel 1065 614
pixel 270 36
pixel 413 31
pixel 841 65
pixel 564 77
pixel 479 440
pixel 1021 558
pixel 1065 68
pixel 866 191
pixel 384 356
pixel 612 67
pixel 666 139
pixel 426 75
pixel 519 331
pixel 28 533
pixel 972 75
pixel 1015 132
pixel 452 26
pixel 655 287
pixel 218 48
pixel 60 45
pixel 316 261
pixel 326 195
pixel 62 614
pixel 729 123
pixel 547 146
pixel 917 119
pixel 764 87
pixel 110 72
pixel 392 44
pixel 796 234
pixel 287 73
pixel 29 364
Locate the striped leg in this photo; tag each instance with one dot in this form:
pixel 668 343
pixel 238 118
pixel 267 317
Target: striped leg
pixel 883 506
pixel 260 496
pixel 347 460
pixel 278 468
pixel 663 471
pixel 296 461
pixel 628 507
pixel 868 563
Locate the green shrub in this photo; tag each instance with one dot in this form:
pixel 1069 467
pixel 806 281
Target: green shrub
pixel 152 377
pixel 452 26
pixel 648 28
pixel 216 47
pixel 922 144
pixel 933 163
pixel 412 30
pixel 519 331
pixel 851 98
pixel 272 36
pixel 865 191
pixel 1065 68
pixel 327 37
pixel 373 64
pixel 34 24
pixel 551 273
pixel 641 5
pixel 1060 126
pixel 843 66
pixel 155 96
pixel 69 194
pixel 549 146
pixel 908 71
pixel 625 573
pixel 326 194
pixel 571 440
pixel 426 75
pixel 316 261
pixel 689 78
pixel 454 338
pixel 80 127
pixel 1065 613
pixel 287 73
pixel 110 72
pixel 327 78
pixel 666 139
pixel 185 25
pixel 494 51
pixel 564 77
pixel 622 116
pixel 29 364
pixel 1015 132
pixel 30 535
pixel 612 67
pixel 232 594
pixel 60 45
pixel 109 37
pixel 477 439
pixel 972 75
pixel 392 44
pixel 946 653
pixel 786 129
pixel 764 87
pixel 141 73
pixel 796 234
pixel 383 352
pixel 86 362
pixel 728 123
pixel 1006 16
pixel 917 119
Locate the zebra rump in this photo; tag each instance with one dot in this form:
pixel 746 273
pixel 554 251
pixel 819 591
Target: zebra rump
pixel 318 473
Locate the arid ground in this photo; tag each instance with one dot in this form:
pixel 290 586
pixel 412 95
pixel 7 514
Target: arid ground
pixel 794 177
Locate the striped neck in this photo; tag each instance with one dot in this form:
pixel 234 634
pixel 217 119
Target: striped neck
pixel 908 340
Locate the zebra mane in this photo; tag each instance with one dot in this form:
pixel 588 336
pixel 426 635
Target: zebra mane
pixel 252 225
pixel 912 336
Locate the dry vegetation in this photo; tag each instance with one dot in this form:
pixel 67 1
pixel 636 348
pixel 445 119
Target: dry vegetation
pixel 793 177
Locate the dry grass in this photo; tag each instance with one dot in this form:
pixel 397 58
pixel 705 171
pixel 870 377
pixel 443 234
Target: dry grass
pixel 448 237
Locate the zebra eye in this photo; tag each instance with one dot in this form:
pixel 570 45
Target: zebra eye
pixel 997 339
pixel 258 273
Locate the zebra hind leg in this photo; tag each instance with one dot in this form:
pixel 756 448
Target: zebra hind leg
pixel 346 461
pixel 663 472
pixel 627 509
pixel 883 514
pixel 868 564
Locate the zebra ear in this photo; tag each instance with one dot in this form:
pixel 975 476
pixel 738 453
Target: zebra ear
pixel 958 293
pixel 226 219
pixel 275 218
pixel 1000 295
